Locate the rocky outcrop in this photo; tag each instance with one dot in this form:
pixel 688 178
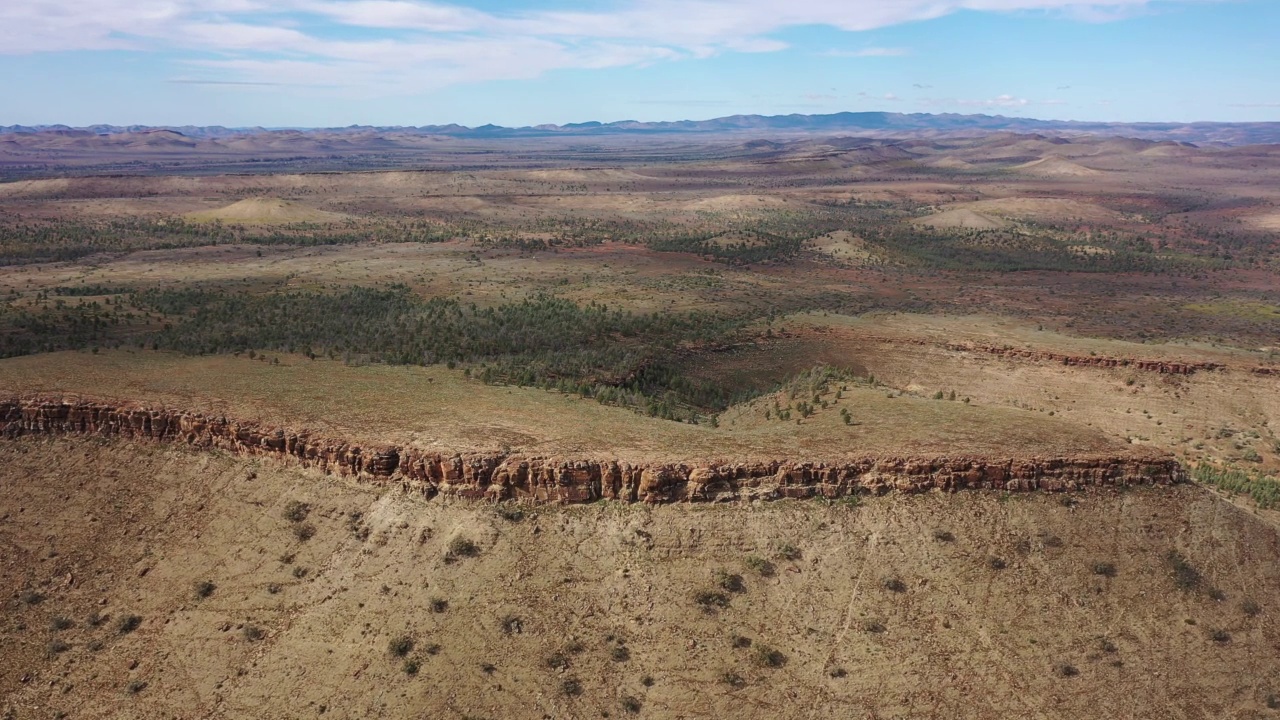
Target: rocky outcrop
pixel 538 479
pixel 1166 367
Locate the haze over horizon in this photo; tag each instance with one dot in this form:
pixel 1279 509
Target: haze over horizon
pixel 333 63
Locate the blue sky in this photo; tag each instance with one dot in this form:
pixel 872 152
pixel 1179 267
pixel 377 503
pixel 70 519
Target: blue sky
pixel 521 62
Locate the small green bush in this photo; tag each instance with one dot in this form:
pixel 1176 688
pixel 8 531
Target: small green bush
pixel 296 512
pixel 710 599
pixel 400 645
pixel 788 551
pixel 461 547
pixel 729 581
pixel 759 565
pixel 765 656
pixel 128 624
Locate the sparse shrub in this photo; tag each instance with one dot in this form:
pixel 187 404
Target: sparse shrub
pixel 510 512
pixel 620 653
pixel 204 589
pixel 511 625
pixel 729 581
pixel 1250 608
pixel 439 605
pixel 838 673
pixel 1066 670
pixel 300 571
pixel 894 584
pixel 296 511
pixel 128 624
pixel 57 647
pixel 1106 645
pixel 1217 595
pixel 647 681
pixel 411 666
pixel 571 687
pixel 400 645
pixel 944 536
pixel 96 618
pixel 1049 540
pixel 760 566
pixel 710 599
pixel 488 668
pixel 766 656
pixel 1185 576
pixel 273 588
pixel 739 641
pixel 872 626
pixel 461 547
pixel 733 679
pixel 557 661
pixel 630 705
pixel 787 551
pixel 31 597
pixel 1105 569
pixel 433 649
pixel 1272 702
pixel 135 686
pixel 60 623
pixel 253 633
pixel 304 531
pixel 1220 636
pixel 996 563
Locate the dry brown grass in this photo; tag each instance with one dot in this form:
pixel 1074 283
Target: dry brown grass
pixel 979 643
pixel 440 409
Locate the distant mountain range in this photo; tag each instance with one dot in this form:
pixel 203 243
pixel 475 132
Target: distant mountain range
pixel 878 124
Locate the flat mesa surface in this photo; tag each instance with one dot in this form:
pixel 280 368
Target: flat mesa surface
pixel 440 409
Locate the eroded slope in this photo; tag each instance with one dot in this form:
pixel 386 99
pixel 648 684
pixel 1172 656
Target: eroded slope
pixel 1146 603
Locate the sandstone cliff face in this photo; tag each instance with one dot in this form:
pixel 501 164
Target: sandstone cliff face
pixel 566 480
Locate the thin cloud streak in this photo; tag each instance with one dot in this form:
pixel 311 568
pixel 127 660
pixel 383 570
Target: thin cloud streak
pixel 408 46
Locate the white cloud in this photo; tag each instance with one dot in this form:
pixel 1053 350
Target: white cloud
pixel 1001 101
pixel 410 45
pixel 869 52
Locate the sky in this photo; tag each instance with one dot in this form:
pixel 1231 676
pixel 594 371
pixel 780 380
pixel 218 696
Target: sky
pixel 329 63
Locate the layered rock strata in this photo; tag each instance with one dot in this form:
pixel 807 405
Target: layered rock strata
pixel 542 479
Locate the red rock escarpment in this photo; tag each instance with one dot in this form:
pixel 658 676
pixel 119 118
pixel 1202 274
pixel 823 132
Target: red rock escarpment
pixel 560 480
pixel 1164 367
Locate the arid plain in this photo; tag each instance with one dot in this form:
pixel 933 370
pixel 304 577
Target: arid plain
pixel 921 427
